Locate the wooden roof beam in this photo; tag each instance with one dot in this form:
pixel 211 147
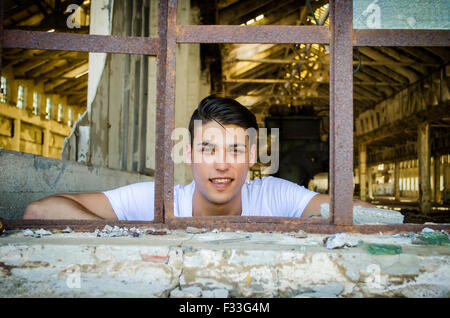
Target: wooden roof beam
pixel 378 56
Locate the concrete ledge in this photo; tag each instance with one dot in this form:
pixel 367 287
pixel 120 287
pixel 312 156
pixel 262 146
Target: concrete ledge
pixel 26 178
pixel 224 264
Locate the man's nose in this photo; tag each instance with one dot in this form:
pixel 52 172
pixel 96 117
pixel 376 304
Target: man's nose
pixel 221 162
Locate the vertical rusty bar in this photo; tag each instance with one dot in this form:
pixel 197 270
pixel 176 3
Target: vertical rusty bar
pixel 169 104
pixel 341 112
pixel 165 110
pixel 1 35
pixel 160 102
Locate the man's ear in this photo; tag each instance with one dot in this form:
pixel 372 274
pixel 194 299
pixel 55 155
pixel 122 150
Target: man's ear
pixel 188 153
pixel 252 159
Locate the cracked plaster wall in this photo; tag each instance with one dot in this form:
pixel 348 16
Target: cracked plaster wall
pixel 223 264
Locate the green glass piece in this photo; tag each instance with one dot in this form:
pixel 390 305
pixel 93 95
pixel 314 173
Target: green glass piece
pixel 383 249
pixel 435 238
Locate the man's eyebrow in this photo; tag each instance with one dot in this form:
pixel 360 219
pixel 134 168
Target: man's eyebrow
pixel 205 143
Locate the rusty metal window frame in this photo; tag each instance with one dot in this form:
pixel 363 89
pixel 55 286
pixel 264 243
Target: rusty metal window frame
pixel 340 36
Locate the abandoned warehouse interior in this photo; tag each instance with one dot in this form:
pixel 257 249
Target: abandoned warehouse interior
pixel 92 90
pixel 70 101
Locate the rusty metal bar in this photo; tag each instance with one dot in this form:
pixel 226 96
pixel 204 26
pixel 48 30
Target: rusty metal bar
pixel 252 34
pixel 251 220
pixel 160 103
pixel 1 35
pixel 178 224
pixel 80 42
pixel 169 112
pixel 341 112
pixel 387 37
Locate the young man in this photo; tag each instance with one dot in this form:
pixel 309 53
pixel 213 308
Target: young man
pixel 220 154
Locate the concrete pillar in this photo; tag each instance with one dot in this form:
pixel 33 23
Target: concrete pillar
pixel 16 136
pixel 397 180
pixel 423 149
pixel 46 143
pixel 369 179
pixel 362 148
pixel 437 179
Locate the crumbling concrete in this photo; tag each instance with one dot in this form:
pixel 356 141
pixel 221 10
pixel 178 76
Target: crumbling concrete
pixel 220 264
pixel 363 215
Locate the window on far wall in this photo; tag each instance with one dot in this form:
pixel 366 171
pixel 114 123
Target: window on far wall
pixel 70 119
pixel 60 112
pixel 35 103
pixel 4 90
pixel 48 108
pixel 21 96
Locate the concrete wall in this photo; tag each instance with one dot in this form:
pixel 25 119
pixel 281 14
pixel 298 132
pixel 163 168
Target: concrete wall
pixel 220 264
pixel 26 178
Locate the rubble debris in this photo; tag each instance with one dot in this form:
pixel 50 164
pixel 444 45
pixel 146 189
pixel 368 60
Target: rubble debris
pixel 27 232
pixel 67 230
pixel 299 234
pixel 341 240
pixel 156 232
pixel 195 230
pixel 109 231
pixel 42 232
pixel 36 234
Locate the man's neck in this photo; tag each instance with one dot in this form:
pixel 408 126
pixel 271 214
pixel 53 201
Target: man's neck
pixel 203 207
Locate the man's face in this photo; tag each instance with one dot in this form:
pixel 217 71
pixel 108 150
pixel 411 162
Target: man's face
pixel 220 158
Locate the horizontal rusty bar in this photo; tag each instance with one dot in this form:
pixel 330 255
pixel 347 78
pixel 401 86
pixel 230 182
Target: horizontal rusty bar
pixel 252 34
pixel 247 220
pixel 179 224
pixel 391 37
pixel 80 42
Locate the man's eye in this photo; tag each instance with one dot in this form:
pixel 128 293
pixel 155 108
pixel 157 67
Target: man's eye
pixel 208 149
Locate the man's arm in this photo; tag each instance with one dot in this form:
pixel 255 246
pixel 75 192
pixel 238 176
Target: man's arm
pixel 313 207
pixel 71 207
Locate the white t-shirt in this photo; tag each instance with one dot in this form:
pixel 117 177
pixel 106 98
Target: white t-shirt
pixel 268 196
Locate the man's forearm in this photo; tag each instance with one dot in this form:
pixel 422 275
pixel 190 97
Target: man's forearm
pixel 58 207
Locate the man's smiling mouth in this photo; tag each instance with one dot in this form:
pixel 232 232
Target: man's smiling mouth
pixel 221 182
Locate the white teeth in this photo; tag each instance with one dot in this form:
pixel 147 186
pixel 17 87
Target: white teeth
pixel 221 180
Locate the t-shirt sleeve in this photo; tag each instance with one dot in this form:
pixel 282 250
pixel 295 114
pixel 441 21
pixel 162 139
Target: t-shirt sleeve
pixel 134 202
pixel 288 199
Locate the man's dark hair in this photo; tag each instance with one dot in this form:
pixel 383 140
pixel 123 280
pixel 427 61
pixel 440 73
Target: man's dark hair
pixel 225 111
